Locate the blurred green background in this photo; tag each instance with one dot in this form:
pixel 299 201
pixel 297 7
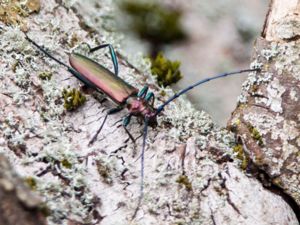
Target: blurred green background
pixel 196 38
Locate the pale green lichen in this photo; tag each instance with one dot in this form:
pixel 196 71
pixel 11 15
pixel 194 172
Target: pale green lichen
pixel 288 59
pixel 288 28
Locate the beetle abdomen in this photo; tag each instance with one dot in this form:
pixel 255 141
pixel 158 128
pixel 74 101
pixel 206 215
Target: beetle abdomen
pixel 113 86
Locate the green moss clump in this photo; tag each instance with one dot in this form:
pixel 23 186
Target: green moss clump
pixel 256 135
pixel 73 99
pixel 31 182
pixel 162 93
pixel 240 154
pixel 153 22
pixel 184 180
pixel 65 163
pixel 167 71
pixel 73 40
pixel 45 75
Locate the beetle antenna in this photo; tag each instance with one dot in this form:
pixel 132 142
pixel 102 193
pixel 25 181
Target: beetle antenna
pixel 45 52
pixel 161 107
pixel 142 168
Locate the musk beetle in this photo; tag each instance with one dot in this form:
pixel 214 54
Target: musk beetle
pixel 138 103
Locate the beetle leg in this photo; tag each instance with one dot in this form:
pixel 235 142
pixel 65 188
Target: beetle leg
pixel 110 112
pixel 142 93
pixel 112 53
pixel 126 121
pixel 150 98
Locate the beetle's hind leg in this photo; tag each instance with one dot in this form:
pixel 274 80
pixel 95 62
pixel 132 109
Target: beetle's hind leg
pixel 112 54
pixel 110 112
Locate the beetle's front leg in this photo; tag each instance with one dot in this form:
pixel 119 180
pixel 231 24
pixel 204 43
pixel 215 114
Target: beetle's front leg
pixel 150 98
pixel 126 121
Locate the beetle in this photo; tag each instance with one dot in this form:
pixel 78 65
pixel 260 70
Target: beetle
pixel 139 103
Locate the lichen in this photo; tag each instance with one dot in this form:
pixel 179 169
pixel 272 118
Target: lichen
pixel 13 12
pixel 73 99
pixel 268 54
pixel 275 91
pixel 184 181
pixel 167 71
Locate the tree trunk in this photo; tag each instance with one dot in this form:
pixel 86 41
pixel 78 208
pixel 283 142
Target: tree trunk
pixel 267 118
pixel 18 206
pixel 193 169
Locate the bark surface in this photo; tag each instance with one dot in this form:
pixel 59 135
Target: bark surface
pixel 193 169
pixel 18 205
pixel 267 118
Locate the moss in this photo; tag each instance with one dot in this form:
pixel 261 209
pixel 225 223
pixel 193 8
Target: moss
pixel 44 209
pixel 162 93
pixel 240 154
pixel 73 99
pixel 167 71
pixel 179 223
pixel 31 182
pixel 15 65
pixel 73 40
pixel 255 135
pixel 12 12
pixel 104 171
pixel 254 88
pixel 278 182
pixel 184 180
pixel 65 163
pixel 153 22
pixel 45 75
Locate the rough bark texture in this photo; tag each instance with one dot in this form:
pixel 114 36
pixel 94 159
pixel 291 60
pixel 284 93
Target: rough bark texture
pixel 268 116
pixel 18 206
pixel 192 167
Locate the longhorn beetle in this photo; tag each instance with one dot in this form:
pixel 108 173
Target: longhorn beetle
pixel 138 103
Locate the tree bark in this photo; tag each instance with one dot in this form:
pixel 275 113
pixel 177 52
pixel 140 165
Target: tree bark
pixel 18 206
pixel 267 119
pixel 192 167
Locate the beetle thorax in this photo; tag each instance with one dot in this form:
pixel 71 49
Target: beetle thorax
pixel 140 107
